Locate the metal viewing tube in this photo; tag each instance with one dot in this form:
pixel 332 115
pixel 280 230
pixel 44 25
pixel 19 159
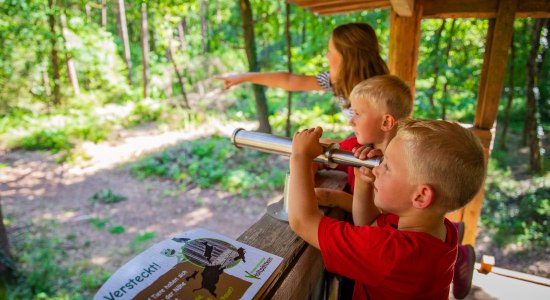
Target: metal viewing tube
pixel 273 144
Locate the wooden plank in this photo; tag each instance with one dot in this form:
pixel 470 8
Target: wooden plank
pixel 459 8
pixel 497 44
pixel 471 212
pixel 276 237
pixel 486 9
pixel 404 43
pixel 496 286
pixel 302 278
pixel 533 9
pixel 518 275
pixel 327 3
pixel 432 9
pixel 403 8
pixel 350 7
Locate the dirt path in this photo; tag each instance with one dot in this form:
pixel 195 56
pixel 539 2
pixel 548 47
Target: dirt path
pixel 36 189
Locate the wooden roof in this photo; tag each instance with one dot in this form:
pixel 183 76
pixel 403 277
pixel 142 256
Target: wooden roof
pixel 431 8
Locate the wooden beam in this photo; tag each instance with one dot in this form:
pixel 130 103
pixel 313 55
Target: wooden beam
pixel 533 9
pixel 472 210
pixel 498 40
pixel 348 8
pixel 403 8
pixel 432 9
pixel 481 9
pixel 404 44
pixel 330 7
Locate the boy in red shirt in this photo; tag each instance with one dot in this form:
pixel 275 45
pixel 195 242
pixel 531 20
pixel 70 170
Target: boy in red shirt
pixel 408 252
pixel 379 103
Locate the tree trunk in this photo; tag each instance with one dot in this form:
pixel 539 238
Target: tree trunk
pixel 533 140
pixel 510 98
pixel 250 47
pixel 446 85
pixel 46 80
pixel 7 266
pixel 304 26
pixel 104 14
pixel 543 76
pixel 180 76
pixel 218 13
pixel 71 70
pixel 436 64
pixel 289 66
pixel 124 37
pixel 204 27
pixel 145 49
pixel 524 136
pixel 88 9
pixel 55 56
pixel 181 35
pixel 152 34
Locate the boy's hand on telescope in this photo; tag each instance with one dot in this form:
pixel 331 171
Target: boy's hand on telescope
pixel 306 143
pixel 365 152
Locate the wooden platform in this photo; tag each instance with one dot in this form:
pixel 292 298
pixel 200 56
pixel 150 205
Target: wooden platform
pixel 504 284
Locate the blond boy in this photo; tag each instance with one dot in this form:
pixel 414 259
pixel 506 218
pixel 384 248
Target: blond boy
pixel 378 103
pixel 429 169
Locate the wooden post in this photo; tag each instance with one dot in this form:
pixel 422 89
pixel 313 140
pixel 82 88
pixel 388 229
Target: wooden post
pixel 498 40
pixel 404 43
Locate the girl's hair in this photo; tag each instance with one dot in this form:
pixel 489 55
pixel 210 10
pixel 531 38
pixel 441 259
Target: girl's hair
pixel 358 45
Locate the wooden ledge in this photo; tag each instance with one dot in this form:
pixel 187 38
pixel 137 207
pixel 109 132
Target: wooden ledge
pixel 302 264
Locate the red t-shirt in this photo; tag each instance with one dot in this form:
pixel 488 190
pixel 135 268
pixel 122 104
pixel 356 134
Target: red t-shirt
pixel 387 263
pixel 348 145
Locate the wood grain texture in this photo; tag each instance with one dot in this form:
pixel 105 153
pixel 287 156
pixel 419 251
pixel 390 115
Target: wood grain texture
pixel 301 262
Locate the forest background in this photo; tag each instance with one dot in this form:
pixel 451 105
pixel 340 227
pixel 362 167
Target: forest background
pixel 77 72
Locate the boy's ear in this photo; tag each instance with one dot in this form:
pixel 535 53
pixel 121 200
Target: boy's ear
pixel 424 196
pixel 388 122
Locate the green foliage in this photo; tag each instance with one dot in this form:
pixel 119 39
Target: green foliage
pixel 140 240
pixel 106 196
pixel 46 139
pixel 117 229
pixel 214 161
pixel 99 223
pixel 42 274
pixel 514 212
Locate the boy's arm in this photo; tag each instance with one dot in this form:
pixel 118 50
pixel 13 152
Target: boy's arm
pixel 334 198
pixel 303 213
pixel 364 211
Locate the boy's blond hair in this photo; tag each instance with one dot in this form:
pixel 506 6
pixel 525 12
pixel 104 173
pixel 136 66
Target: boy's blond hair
pixel 446 156
pixel 388 93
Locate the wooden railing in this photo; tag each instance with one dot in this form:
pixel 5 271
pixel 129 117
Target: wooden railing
pixel 302 267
